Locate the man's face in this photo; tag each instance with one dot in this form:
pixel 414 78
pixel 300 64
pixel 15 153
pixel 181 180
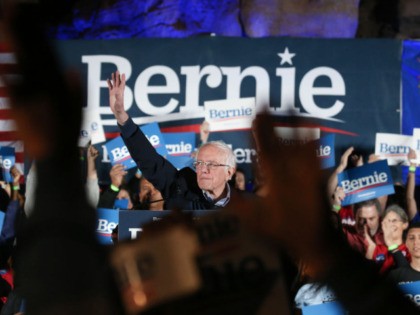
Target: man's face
pixel 413 242
pixel 240 181
pixel 213 180
pixel 393 222
pixel 369 216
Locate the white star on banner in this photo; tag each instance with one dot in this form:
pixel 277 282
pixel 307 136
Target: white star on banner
pixel 286 57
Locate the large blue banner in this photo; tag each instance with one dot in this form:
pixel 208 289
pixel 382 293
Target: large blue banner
pixel 350 88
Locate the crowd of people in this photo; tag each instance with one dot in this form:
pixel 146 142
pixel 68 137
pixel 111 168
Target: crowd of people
pixel 53 264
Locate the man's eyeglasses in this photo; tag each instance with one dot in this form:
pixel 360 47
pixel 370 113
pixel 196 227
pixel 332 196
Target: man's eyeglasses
pixel 208 165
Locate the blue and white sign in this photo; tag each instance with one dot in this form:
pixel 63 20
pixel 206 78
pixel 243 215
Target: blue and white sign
pixel 325 151
pixel 155 137
pixel 366 182
pixel 91 129
pixel 7 161
pixel 393 147
pixel 412 291
pixel 121 204
pixel 330 308
pixel 118 153
pixel 232 114
pixel 180 146
pixel 2 216
pixel 107 221
pixel 353 92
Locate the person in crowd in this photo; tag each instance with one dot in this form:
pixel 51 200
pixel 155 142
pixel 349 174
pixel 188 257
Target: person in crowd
pixel 394 223
pixel 215 163
pixel 92 185
pixel 280 216
pixel 150 198
pixel 367 226
pixel 336 193
pixel 411 202
pixel 117 190
pixel 8 236
pixel 59 264
pixel 77 279
pixel 239 180
pixel 408 271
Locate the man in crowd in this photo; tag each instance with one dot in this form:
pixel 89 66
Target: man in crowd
pixel 183 189
pixel 408 271
pixel 367 227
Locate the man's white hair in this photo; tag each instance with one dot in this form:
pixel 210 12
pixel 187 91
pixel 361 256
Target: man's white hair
pixel 230 157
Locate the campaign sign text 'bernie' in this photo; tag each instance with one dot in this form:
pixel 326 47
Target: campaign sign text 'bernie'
pixel 118 153
pixel 107 221
pixel 180 146
pixel 366 182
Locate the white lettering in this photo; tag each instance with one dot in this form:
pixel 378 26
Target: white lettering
pixel 213 77
pixel 287 90
pixel 323 151
pixel 105 155
pixel 235 77
pixel 307 91
pixel 7 164
pixel 94 82
pixel 363 182
pixel 192 84
pixel 105 226
pixel 119 153
pixel 154 140
pixel 179 148
pixel 142 89
pixel 134 232
pixel 244 155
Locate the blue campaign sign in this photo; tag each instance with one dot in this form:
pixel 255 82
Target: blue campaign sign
pixel 325 151
pixel 2 215
pixel 366 182
pixel 8 160
pixel 411 290
pixel 329 308
pixel 107 221
pixel 155 137
pixel 118 153
pixel 131 222
pixel 121 203
pixel 180 146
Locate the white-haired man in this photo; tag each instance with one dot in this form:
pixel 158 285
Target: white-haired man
pixel 184 189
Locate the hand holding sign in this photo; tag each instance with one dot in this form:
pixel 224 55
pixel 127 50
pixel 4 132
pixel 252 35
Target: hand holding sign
pixel 117 174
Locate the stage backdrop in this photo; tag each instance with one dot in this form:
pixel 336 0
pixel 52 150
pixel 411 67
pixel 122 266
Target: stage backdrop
pixel 347 87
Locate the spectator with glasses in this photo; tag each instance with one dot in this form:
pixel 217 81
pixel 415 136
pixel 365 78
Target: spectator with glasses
pixel 181 189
